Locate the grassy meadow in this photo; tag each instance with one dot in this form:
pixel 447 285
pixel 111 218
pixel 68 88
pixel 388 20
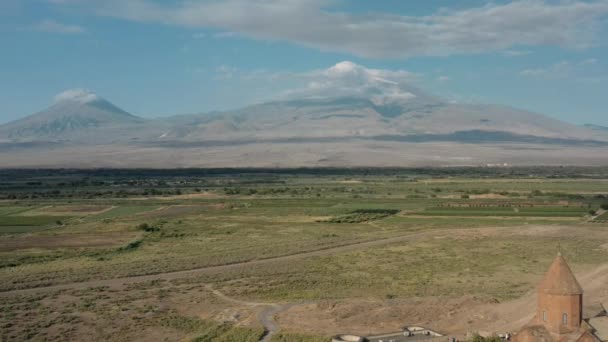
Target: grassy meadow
pixel 269 236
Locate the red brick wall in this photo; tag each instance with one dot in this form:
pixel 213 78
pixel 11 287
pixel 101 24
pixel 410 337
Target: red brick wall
pixel 555 306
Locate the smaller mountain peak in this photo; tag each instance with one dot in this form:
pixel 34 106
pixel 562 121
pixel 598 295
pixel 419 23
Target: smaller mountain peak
pixel 82 96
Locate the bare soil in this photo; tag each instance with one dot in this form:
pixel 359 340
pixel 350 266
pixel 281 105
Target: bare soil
pixel 171 211
pixel 454 316
pixel 76 208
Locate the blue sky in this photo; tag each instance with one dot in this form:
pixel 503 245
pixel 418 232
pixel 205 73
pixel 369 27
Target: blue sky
pixel 157 58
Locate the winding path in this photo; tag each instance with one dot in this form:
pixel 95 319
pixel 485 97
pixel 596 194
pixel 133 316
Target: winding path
pixel 222 268
pixel 265 316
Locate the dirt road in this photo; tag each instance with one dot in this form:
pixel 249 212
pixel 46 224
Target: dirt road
pixel 266 314
pixel 526 230
pixel 227 267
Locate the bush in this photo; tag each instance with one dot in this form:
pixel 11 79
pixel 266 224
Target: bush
pixel 147 228
pixel 363 215
pixel 604 206
pixel 479 338
pixel 131 245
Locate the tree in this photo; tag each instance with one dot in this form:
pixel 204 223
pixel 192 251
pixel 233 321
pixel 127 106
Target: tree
pixel 479 338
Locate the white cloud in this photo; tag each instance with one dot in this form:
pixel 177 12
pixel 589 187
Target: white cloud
pixel 347 79
pixel 217 35
pixel 63 2
pixel 226 72
pixel 492 27
pixel 76 95
pixel 515 53
pixel 590 61
pixel 562 69
pixel 555 70
pixel 443 79
pixel 56 27
pixel 221 35
pixel 199 35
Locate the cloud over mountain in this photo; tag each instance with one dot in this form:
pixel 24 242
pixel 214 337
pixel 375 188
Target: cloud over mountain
pixel 347 79
pixel 316 23
pixel 76 95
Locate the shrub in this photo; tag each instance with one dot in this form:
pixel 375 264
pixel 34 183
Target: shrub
pixel 363 215
pixel 131 245
pixel 479 338
pixel 147 228
pixel 604 206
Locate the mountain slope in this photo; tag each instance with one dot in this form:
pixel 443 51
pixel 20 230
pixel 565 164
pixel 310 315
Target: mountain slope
pixel 82 129
pixel 74 114
pixel 596 127
pixel 361 117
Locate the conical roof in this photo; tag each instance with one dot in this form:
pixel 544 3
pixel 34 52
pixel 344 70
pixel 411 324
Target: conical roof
pixel 560 280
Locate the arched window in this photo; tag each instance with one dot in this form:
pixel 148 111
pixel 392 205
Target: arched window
pixel 565 319
pixel 544 316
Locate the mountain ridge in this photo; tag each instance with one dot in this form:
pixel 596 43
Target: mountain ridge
pixel 82 110
pixel 81 125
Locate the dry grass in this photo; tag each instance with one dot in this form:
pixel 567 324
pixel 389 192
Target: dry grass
pixel 493 258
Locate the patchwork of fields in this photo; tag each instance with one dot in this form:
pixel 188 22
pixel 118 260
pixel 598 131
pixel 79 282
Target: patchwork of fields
pixel 71 246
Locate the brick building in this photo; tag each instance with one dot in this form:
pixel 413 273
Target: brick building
pixel 559 313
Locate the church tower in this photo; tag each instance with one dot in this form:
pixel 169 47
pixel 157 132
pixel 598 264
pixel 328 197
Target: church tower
pixel 560 299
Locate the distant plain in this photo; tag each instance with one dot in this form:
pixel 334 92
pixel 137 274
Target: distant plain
pixel 196 254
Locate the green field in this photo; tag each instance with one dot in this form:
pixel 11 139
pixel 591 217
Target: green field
pixel 10 210
pixel 29 220
pixel 508 211
pixel 277 238
pixel 20 229
pixel 119 211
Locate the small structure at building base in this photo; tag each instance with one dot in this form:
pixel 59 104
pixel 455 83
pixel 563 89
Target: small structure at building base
pixel 412 334
pixel 348 338
pixel 559 316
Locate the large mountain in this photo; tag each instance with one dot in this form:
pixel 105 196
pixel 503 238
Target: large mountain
pixel 360 117
pixel 75 115
pixel 596 127
pixel 310 130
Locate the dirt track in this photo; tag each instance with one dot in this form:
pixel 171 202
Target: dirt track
pixel 220 268
pixel 524 230
pixel 456 316
pixel 266 313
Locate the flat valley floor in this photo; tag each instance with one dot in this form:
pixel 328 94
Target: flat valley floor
pixel 289 255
